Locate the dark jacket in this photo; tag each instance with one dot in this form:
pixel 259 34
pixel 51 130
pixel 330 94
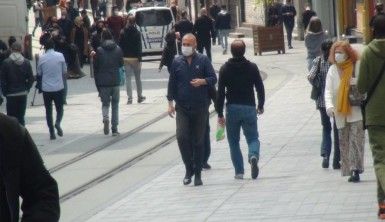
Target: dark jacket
pixel 288 20
pixel 180 89
pixel 306 16
pixel 203 28
pixel 169 51
pixel 237 79
pixel 16 78
pixel 109 58
pixel 184 26
pixel 223 21
pixel 214 10
pixel 130 42
pixel 23 175
pixel 66 25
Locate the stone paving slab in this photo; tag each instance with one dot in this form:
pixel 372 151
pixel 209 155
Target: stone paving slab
pixel 292 186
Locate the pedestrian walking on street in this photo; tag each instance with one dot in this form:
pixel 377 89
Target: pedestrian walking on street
pixel 319 70
pixel 24 177
pixel 313 40
pixel 191 76
pixel 223 25
pixel 288 15
pixel 184 25
pixel 274 14
pixel 341 76
pixel 307 15
pixel 372 82
pixel 51 71
pixel 214 10
pixel 16 81
pixel 203 30
pixel 131 44
pixel 238 78
pixel 37 10
pixel 108 61
pixel 170 50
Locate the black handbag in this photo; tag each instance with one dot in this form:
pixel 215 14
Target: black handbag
pixel 316 83
pixel 355 97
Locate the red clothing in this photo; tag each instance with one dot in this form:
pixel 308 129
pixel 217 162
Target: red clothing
pixel 115 24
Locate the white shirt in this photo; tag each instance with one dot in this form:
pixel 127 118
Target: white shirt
pixel 333 80
pixel 52 67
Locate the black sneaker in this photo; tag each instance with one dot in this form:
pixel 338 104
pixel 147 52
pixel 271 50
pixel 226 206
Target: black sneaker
pixel 187 178
pixel 355 177
pixel 254 167
pixel 115 133
pixel 106 128
pixel 52 136
pixel 198 180
pixel 325 162
pixel 141 99
pixel 336 165
pixel 206 166
pixel 59 130
pixel 129 101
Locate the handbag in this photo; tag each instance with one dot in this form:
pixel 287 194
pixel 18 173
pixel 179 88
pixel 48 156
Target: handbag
pixel 369 95
pixel 122 76
pixel 355 97
pixel 316 83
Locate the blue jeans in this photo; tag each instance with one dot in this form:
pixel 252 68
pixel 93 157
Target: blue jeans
pixel 223 36
pixel 244 116
pixel 110 97
pixel 326 144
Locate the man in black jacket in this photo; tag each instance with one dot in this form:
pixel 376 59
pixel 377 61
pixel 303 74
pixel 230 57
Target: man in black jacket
pixel 223 26
pixel 288 15
pixel 16 81
pixel 131 44
pixel 109 59
pixel 238 78
pixel 214 10
pixel 23 175
pixel 203 30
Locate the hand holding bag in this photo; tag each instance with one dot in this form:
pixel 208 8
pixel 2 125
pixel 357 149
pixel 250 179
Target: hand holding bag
pixel 355 97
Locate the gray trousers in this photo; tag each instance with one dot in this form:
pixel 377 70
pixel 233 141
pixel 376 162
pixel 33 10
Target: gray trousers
pixel 133 68
pixel 110 95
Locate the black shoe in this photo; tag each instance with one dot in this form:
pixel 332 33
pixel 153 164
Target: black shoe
pixel 129 101
pixel 325 162
pixel 254 167
pixel 355 177
pixel 52 136
pixel 290 47
pixel 187 178
pixel 59 130
pixel 206 166
pixel 336 165
pixel 141 99
pixel 106 128
pixel 198 180
pixel 115 133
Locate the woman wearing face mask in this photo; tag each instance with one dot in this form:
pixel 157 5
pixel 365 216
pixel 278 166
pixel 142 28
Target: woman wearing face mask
pixel 341 75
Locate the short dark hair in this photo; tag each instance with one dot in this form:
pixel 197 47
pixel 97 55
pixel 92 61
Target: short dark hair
pixel 83 11
pixel 315 25
pixel 184 14
pixel 379 26
pixel 236 50
pixel 106 35
pixel 11 40
pixel 223 6
pixel 49 44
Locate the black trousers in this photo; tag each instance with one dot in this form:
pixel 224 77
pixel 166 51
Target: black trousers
pixel 206 44
pixel 16 106
pixel 58 99
pixel 207 143
pixel 190 133
pixel 289 31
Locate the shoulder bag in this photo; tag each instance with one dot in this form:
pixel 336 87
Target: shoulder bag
pixel 355 97
pixel 316 83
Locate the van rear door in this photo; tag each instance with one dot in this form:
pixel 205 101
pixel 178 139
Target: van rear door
pixel 153 25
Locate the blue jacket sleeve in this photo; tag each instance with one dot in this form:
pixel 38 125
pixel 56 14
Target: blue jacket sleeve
pixel 171 90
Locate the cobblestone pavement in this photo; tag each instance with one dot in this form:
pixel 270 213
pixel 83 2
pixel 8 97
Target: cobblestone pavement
pixel 291 186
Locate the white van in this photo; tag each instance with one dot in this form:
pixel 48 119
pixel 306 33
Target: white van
pixel 14 22
pixel 153 23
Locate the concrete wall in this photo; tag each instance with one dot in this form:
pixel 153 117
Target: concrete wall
pixel 325 11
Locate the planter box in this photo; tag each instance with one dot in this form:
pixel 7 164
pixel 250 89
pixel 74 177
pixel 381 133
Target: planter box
pixel 267 39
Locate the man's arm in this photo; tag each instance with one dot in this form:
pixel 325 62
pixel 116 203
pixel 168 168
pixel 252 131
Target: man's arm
pixel 260 88
pixel 38 189
pixel 30 78
pixel 221 94
pixel 171 90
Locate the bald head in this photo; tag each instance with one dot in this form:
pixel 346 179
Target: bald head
pixel 203 11
pixel 238 48
pixel 189 38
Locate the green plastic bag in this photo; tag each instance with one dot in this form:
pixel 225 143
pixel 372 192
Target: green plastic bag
pixel 220 134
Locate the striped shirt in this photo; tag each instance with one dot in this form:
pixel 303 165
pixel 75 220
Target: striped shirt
pixel 320 68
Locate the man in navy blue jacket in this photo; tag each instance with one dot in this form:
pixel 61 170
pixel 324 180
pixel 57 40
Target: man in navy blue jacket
pixel 288 15
pixel 191 75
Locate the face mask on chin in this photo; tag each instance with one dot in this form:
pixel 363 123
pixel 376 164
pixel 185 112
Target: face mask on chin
pixel 187 51
pixel 340 57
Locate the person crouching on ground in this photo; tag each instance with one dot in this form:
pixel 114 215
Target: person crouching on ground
pixel 341 75
pixel 237 79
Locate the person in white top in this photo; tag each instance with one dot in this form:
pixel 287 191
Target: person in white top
pixel 341 76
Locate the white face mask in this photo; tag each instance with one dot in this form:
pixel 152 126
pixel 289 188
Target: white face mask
pixel 187 50
pixel 340 57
